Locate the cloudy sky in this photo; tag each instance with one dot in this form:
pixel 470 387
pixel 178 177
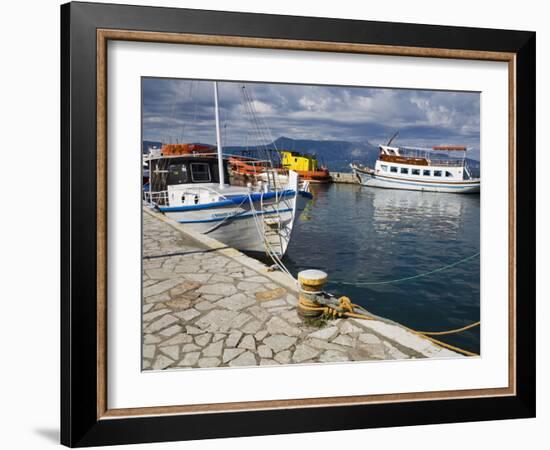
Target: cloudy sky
pixel 183 111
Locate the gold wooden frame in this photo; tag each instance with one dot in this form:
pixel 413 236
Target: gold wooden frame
pixel 104 35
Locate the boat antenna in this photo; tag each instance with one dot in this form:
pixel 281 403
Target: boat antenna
pixel 218 138
pixel 393 137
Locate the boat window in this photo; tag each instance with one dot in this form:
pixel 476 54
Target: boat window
pixel 200 172
pixel 426 173
pixel 177 174
pixel 393 169
pixel 404 170
pixel 415 171
pixel 384 168
pixel 215 173
pixel 448 174
pixel 437 173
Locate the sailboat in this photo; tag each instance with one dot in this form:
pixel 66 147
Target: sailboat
pixel 190 185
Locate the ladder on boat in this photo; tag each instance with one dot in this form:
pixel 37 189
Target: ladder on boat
pixel 276 231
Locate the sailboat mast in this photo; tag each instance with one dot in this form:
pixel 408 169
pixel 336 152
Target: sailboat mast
pixel 218 138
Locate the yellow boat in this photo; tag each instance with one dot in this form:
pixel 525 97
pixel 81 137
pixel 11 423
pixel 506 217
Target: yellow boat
pixel 306 165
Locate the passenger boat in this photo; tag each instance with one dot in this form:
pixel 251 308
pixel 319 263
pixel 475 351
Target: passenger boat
pixel 190 185
pixel 418 169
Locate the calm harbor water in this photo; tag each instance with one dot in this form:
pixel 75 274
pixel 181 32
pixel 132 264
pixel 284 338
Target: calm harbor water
pixel 365 238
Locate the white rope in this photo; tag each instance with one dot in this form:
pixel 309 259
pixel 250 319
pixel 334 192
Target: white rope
pixel 269 251
pixel 259 126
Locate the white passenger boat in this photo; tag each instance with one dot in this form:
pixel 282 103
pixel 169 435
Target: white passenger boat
pixel 419 169
pixel 189 184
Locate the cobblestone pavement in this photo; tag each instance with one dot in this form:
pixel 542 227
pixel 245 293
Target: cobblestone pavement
pixel 204 309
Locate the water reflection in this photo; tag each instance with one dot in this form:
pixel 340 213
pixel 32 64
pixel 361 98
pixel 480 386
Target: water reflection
pixel 397 211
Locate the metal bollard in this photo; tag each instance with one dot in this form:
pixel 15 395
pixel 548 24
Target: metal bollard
pixel 311 281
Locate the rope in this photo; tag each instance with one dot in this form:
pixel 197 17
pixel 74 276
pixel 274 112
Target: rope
pixel 398 280
pixel 444 344
pixel 456 330
pixel 345 308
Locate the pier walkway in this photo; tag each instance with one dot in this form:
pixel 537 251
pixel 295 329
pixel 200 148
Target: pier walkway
pixel 344 177
pixel 207 305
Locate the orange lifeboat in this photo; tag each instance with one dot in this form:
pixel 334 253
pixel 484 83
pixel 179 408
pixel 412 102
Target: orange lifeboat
pixel 246 167
pixel 186 149
pixel 251 168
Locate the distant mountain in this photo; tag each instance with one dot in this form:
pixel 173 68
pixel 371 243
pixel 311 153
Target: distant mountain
pixel 335 154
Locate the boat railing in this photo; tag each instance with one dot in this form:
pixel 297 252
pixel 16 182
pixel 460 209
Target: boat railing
pixel 161 197
pixel 446 162
pixel 253 161
pixel 156 156
pixel 257 164
pixel 360 166
pixel 155 198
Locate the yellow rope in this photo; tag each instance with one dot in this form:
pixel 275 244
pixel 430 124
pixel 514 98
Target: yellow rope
pixel 443 344
pixel 456 330
pixel 347 309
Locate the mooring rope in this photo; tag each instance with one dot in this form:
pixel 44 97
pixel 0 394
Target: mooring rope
pixel 444 344
pixel 343 307
pixel 456 330
pixel 399 280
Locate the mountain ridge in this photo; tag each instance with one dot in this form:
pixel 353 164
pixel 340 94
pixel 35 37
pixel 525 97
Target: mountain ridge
pixel 336 154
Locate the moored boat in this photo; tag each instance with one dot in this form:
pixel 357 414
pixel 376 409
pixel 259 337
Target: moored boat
pixel 419 169
pixel 305 165
pixel 191 186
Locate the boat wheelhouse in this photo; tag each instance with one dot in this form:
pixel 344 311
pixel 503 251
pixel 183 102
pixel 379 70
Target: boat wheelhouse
pixel 306 165
pixel 419 169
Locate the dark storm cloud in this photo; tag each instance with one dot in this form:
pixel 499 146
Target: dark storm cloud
pixel 183 111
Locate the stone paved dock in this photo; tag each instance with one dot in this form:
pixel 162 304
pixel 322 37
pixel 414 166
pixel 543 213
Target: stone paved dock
pixel 206 305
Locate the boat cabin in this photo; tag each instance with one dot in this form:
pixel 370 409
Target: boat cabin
pixel 171 176
pixel 298 161
pixel 193 170
pixel 414 163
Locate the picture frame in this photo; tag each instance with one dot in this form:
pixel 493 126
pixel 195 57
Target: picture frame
pixel 86 418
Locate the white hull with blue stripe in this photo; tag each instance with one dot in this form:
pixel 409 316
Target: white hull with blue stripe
pixel 238 216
